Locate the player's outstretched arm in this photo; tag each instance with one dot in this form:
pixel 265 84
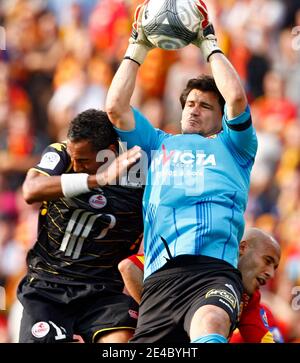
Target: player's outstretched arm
pixel 119 95
pixel 225 75
pixel 122 86
pixel 38 187
pixel 229 84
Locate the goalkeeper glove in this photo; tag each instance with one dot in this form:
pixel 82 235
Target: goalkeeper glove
pixel 207 42
pixel 139 45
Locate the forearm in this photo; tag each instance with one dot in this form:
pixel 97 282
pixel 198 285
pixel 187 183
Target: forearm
pixel 119 95
pixel 46 188
pixel 122 86
pixel 229 84
pixel 38 187
pixel 43 188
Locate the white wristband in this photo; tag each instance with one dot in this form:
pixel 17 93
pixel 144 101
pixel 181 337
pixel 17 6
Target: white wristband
pixel 137 53
pixel 209 46
pixel 74 184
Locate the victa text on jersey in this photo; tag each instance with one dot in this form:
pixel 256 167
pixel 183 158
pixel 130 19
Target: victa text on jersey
pixel 184 158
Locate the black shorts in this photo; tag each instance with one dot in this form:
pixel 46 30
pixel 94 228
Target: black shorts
pixel 53 312
pixel 173 294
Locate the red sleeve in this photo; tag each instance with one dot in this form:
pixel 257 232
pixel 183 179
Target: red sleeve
pixel 138 260
pixel 253 324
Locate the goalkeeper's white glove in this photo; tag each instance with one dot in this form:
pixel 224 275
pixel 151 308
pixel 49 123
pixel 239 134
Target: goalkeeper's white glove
pixel 139 45
pixel 207 42
pixel 206 39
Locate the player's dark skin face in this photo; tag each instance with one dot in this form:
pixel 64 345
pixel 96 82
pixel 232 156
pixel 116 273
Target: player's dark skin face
pixel 83 157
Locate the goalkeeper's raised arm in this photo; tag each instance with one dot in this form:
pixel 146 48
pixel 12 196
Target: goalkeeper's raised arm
pixel 224 74
pixel 122 87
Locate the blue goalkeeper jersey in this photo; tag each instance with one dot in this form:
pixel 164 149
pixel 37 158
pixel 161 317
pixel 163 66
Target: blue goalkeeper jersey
pixel 196 191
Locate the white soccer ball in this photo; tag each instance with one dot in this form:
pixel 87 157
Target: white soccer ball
pixel 173 24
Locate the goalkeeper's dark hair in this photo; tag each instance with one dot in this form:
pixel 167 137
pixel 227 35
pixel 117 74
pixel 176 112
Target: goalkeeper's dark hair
pixel 94 126
pixel 203 83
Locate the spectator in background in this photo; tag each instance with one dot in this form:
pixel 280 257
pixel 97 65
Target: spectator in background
pixel 287 64
pixel 274 110
pixel 20 147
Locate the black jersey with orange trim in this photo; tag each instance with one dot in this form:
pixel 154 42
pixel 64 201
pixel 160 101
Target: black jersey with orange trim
pixel 85 237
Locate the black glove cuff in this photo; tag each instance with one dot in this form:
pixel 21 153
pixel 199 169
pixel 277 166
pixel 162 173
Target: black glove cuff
pixel 208 30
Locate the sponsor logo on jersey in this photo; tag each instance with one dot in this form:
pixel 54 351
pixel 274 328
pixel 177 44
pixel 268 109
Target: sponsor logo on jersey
pixel 49 161
pixel 97 201
pixel 181 168
pixel 40 329
pixel 186 157
pixel 263 316
pixel 223 294
pixel 133 314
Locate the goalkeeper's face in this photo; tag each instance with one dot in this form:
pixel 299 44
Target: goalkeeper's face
pixel 202 114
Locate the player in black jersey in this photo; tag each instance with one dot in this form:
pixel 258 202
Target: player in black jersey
pixel 86 227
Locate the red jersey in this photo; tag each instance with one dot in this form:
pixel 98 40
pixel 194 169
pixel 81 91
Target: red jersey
pixel 256 322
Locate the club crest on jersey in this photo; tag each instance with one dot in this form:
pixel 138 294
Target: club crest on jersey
pixel 49 160
pixel 40 329
pixel 134 314
pixel 97 201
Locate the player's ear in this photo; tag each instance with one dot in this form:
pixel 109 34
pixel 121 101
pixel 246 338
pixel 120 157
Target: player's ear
pixel 243 247
pixel 113 148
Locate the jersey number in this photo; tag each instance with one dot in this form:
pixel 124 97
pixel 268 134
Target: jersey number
pixel 78 229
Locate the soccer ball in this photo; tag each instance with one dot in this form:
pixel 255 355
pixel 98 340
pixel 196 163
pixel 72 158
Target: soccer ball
pixel 173 24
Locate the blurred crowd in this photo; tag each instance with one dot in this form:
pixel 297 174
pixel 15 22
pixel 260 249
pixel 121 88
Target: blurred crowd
pixel 59 60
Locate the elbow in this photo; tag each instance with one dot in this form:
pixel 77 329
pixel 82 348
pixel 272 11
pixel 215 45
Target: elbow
pixel 238 99
pixel 241 99
pixel 113 112
pixel 124 267
pixel 28 194
pixel 113 115
pixel 237 105
pixel 112 104
pixel 119 114
pixel 28 197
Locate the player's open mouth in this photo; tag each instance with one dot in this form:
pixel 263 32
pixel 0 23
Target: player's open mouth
pixel 261 281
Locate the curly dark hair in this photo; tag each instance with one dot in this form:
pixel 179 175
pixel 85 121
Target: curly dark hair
pixel 94 126
pixel 203 83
